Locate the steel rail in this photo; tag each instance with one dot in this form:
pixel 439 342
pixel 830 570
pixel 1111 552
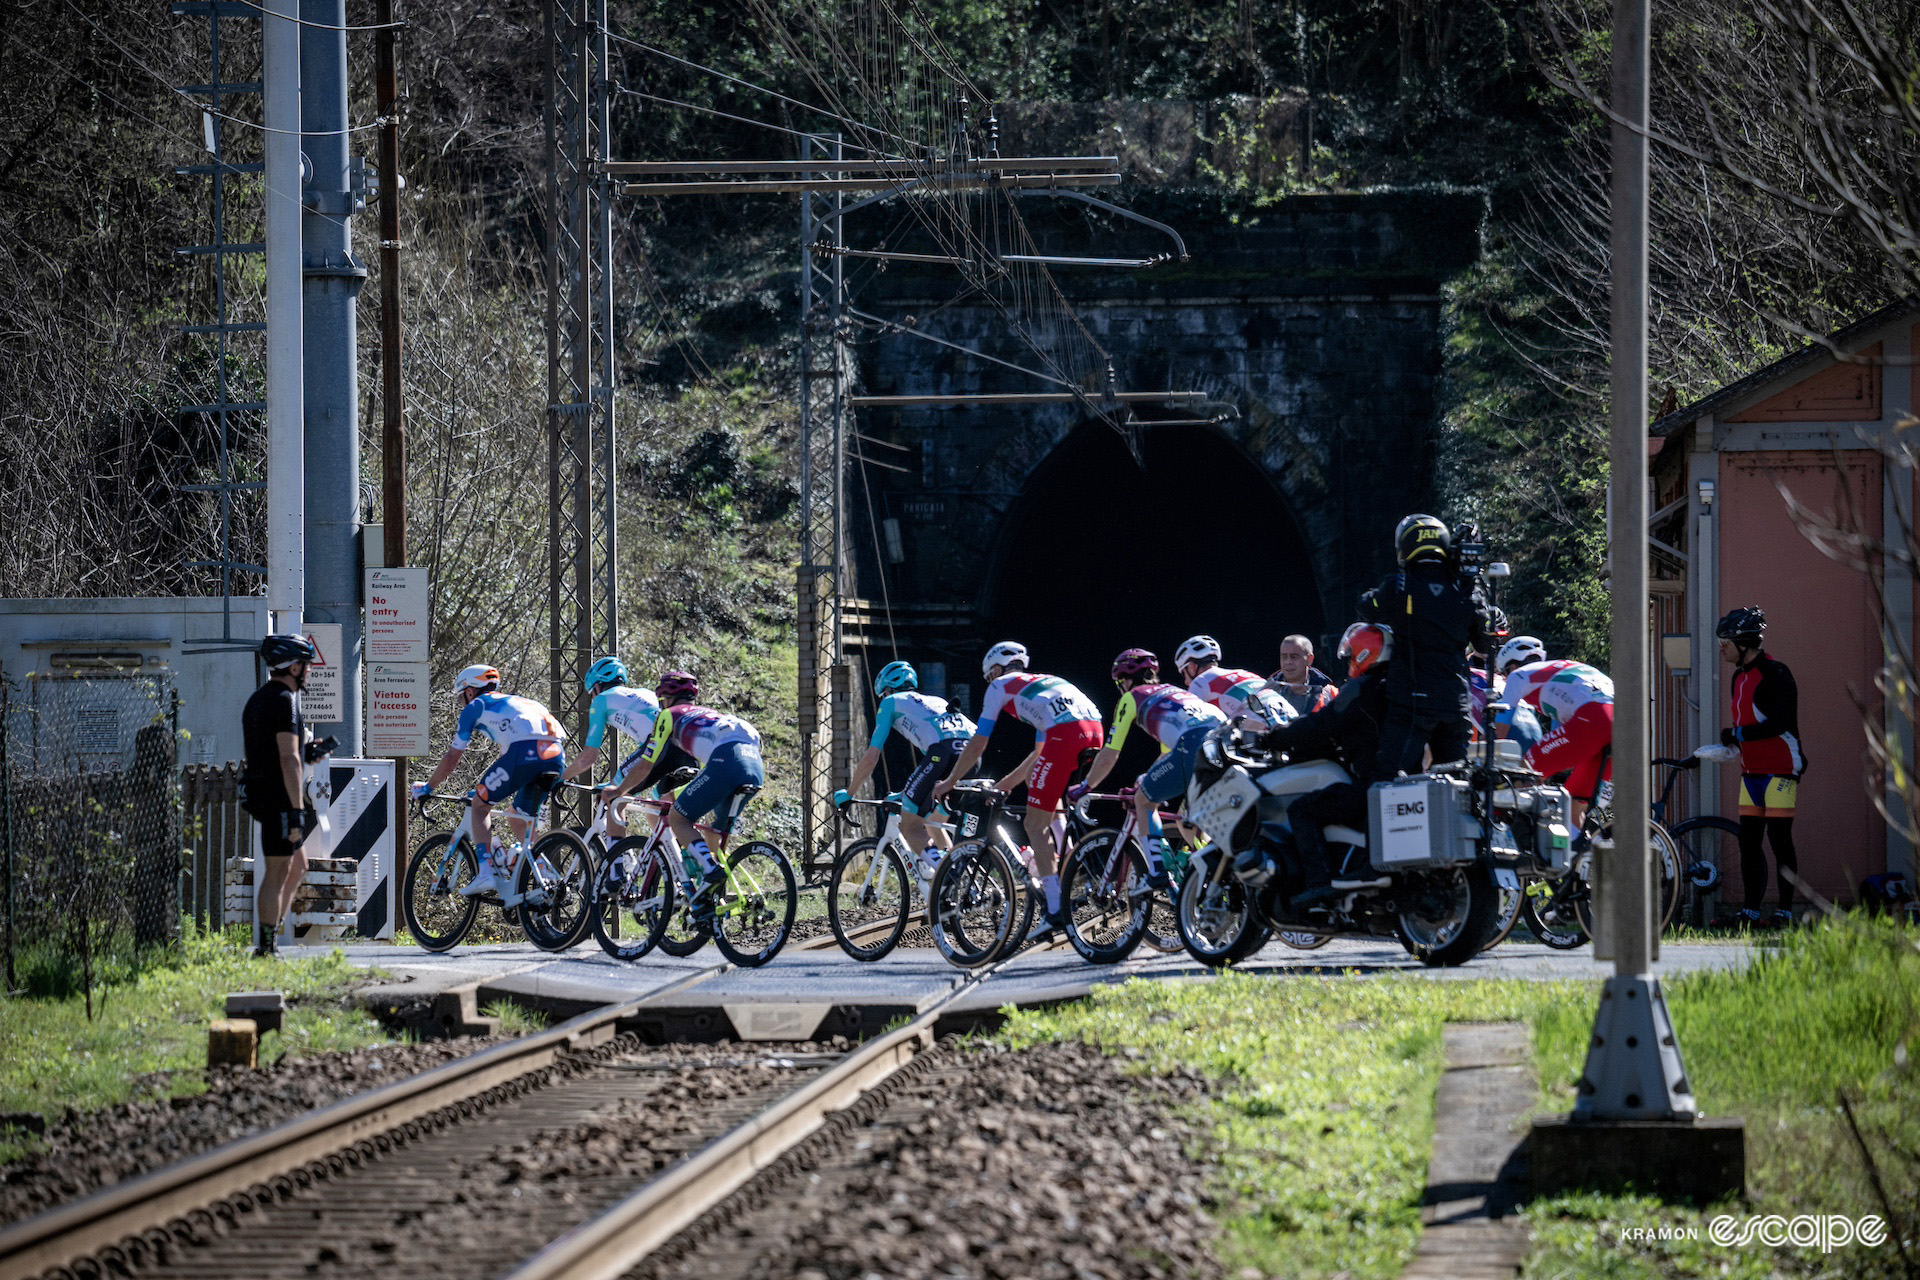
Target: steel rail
pixel 965 182
pixel 1010 164
pixel 609 1246
pixel 105 1219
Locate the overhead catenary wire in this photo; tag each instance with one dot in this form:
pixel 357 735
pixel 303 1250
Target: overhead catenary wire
pixel 324 26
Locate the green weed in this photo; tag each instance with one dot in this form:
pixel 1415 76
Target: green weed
pixel 516 1019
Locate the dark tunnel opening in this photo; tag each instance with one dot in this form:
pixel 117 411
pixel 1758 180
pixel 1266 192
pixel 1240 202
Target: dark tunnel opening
pixel 1101 554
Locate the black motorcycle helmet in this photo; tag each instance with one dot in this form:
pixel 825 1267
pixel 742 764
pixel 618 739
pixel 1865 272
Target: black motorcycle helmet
pixel 1745 626
pixel 283 649
pixel 1421 538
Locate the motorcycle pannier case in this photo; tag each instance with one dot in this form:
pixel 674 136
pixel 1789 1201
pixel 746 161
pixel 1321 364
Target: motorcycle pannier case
pixel 1421 821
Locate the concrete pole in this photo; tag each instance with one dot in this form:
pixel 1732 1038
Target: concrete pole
pixel 286 462
pixel 1633 1069
pixel 332 279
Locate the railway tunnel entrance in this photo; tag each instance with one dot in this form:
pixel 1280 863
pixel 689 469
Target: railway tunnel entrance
pixel 1101 554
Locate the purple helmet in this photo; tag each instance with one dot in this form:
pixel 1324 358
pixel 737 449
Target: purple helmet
pixel 1137 665
pixel 676 687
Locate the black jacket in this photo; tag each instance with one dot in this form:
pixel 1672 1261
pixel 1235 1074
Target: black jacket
pixel 1346 729
pixel 1436 615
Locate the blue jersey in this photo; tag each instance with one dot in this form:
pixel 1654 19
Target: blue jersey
pixel 506 719
pixel 631 711
pixel 920 719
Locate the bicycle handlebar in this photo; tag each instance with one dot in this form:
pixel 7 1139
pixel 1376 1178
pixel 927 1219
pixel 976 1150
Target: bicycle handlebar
pixel 1690 762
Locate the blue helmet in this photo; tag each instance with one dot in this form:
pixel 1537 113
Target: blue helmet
pixel 895 676
pixel 608 670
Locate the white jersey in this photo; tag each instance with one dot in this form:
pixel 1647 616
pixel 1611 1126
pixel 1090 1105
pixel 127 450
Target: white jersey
pixel 1558 688
pixel 631 711
pixel 506 719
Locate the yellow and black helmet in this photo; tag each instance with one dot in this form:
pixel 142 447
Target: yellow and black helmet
pixel 1421 538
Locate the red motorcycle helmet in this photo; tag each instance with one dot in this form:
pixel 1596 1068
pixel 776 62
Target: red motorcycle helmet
pixel 1365 644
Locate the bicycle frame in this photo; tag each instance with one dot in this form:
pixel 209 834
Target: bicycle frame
pixel 890 838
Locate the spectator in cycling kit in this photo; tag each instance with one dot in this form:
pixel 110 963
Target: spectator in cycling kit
pixel 1304 686
pixel 1576 701
pixel 726 748
pixel 1766 729
pixel 1066 723
pixel 1242 695
pixel 274 784
pixel 930 725
pixel 1437 617
pixel 621 707
pixel 527 768
pixel 1178 721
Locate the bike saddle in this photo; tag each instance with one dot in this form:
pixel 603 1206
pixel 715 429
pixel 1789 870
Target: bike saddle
pixel 678 778
pixel 544 783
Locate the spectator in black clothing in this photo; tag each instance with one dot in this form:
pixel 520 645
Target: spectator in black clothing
pixel 1348 730
pixel 274 782
pixel 1304 686
pixel 1437 616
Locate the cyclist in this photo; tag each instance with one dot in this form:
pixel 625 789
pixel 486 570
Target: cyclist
pixel 1178 721
pixel 529 741
pixel 1766 729
pixel 1347 729
pixel 939 730
pixel 1518 721
pixel 629 710
pixel 1577 701
pixel 726 748
pixel 1437 615
pixel 1238 693
pixel 1066 723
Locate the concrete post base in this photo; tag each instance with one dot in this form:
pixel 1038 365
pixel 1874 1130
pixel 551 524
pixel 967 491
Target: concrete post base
pixel 1697 1160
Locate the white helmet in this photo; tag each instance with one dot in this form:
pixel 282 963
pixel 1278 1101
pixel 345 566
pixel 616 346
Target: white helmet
pixel 1004 654
pixel 1196 649
pixel 1518 652
pixel 480 676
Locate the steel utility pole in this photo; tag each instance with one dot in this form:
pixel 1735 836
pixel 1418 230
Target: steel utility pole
pixel 393 437
pixel 1633 1069
pixel 286 463
pixel 580 433
pixel 332 291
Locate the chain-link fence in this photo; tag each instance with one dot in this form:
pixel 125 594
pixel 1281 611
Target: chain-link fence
pixel 90 822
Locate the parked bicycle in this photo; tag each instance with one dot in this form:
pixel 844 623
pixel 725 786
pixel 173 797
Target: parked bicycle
pixel 652 880
pixel 550 898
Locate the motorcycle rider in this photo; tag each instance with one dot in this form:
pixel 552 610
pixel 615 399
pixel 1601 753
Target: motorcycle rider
pixel 1347 729
pixel 1437 615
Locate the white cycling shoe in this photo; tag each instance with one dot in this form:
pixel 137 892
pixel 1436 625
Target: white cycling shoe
pixel 482 883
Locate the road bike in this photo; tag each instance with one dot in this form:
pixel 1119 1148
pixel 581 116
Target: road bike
pixel 870 887
pixel 1111 907
pixel 549 875
pixel 974 902
pixel 656 883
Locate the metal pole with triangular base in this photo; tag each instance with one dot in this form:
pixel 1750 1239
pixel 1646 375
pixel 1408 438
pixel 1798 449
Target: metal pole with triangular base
pixel 1635 1121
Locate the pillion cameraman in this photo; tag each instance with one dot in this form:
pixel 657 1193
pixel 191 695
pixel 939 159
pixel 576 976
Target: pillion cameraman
pixel 1437 614
pixel 273 786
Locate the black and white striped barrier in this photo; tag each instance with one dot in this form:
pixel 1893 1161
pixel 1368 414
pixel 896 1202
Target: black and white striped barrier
pixel 350 883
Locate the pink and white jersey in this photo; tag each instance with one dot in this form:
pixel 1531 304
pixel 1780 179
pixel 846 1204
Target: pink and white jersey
pixel 1045 702
pixel 698 731
pixel 1241 693
pixel 1558 688
pixel 1168 713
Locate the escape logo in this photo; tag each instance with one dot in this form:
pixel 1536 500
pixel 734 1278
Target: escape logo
pixel 1825 1232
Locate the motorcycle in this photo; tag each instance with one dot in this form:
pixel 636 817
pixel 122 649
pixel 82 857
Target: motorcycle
pixel 1429 872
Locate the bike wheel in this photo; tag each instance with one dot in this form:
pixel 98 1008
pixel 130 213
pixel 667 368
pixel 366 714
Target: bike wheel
pixel 1550 912
pixel 1707 843
pixel 1667 861
pixel 1104 888
pixel 646 899
pixel 971 903
pixel 437 916
pixel 755 912
pixel 1218 917
pixel 869 898
pixel 1511 903
pixel 680 936
pixel 555 884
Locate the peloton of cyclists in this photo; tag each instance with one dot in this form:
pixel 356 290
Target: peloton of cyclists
pixel 934 727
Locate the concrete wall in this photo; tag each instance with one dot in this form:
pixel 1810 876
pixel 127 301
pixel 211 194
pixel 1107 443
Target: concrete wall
pixel 46 635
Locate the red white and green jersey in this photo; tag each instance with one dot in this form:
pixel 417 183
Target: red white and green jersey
pixel 1045 702
pixel 1241 693
pixel 1167 713
pixel 1558 688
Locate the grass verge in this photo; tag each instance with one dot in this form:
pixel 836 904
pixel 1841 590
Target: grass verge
pixel 151 1017
pixel 1322 1123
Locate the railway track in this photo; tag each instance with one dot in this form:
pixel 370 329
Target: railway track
pixel 451 1172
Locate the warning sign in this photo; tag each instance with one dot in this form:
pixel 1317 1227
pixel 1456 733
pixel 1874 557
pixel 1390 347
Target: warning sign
pixel 396 615
pixel 399 709
pixel 323 701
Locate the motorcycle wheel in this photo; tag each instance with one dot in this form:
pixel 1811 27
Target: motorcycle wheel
pixel 1218 919
pixel 1452 915
pixel 1300 941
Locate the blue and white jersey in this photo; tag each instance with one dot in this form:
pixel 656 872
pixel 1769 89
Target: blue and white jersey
pixel 920 719
pixel 506 719
pixel 631 711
